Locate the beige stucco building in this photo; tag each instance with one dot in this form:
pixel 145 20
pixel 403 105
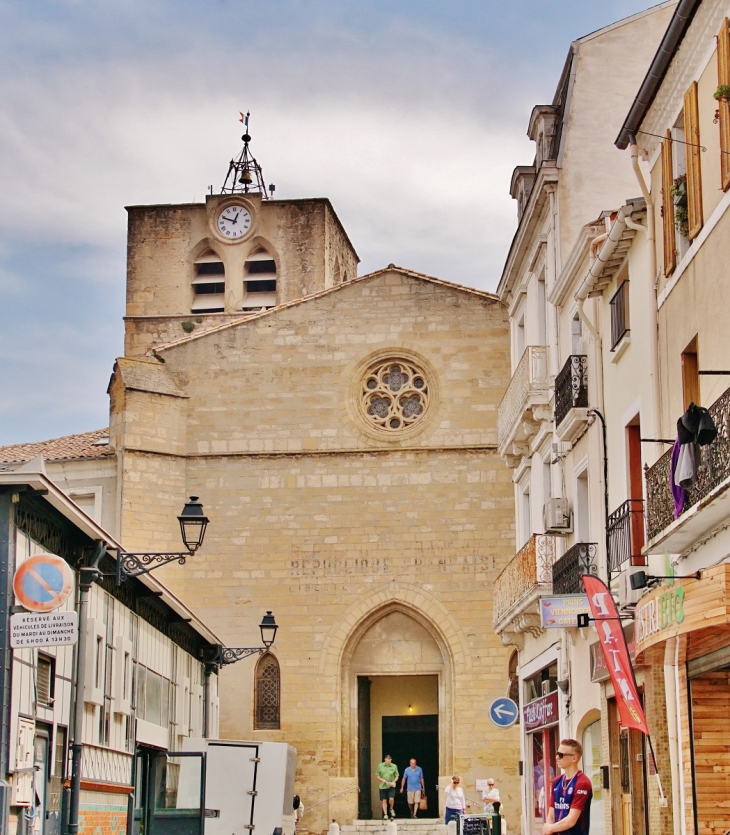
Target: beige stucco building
pixel 341 433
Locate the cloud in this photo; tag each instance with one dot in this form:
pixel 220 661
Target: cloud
pixel 408 116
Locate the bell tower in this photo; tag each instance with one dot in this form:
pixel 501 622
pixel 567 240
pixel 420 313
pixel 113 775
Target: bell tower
pixel 191 266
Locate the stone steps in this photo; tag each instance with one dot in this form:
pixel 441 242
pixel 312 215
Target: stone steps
pixel 406 826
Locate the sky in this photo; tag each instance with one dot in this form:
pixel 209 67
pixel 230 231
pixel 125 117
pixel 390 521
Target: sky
pixel 409 115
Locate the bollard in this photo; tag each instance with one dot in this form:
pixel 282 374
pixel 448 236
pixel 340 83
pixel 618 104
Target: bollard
pixel 452 827
pixel 334 828
pixel 391 828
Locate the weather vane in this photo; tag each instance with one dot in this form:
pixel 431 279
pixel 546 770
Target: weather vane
pixel 244 173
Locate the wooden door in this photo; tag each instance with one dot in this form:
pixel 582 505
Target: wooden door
pixel 711 744
pixel 365 803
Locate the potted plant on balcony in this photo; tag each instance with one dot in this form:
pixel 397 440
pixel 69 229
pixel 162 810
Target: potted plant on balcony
pixel 722 93
pixel 678 192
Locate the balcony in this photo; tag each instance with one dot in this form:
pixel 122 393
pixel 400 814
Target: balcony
pixel 571 398
pixel 626 535
pixel 525 577
pixel 525 403
pixel 575 562
pixel 707 504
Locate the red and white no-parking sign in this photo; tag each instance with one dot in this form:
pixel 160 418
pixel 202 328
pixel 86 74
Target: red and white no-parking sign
pixel 43 583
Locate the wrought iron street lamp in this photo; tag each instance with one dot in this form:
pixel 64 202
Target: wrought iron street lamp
pixel 229 655
pixel 193 524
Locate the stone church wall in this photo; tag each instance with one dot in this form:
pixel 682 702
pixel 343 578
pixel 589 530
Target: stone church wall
pixel 334 526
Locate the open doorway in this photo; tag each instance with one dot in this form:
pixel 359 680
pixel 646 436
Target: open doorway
pixel 398 715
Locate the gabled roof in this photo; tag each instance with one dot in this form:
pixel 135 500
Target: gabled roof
pixel 86 445
pixel 391 268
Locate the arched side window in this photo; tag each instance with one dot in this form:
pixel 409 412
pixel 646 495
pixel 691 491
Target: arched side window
pixel 209 284
pixel 267 701
pixel 259 281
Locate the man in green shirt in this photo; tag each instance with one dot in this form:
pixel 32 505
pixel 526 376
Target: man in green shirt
pixel 387 776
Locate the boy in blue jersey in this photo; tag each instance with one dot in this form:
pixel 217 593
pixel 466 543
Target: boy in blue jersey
pixel 570 808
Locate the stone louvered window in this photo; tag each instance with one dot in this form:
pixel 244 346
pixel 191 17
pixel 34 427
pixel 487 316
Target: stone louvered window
pixel 267 708
pixel 394 394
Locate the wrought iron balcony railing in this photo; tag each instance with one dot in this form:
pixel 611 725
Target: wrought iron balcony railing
pixel 575 562
pixel 625 528
pixel 529 384
pixel 714 468
pixel 571 387
pixel 531 566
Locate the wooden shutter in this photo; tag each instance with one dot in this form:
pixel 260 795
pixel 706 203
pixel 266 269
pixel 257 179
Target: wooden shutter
pixel 692 155
pixel 723 77
pixel 670 252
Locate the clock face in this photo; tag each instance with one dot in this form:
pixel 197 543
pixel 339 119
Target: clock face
pixel 234 221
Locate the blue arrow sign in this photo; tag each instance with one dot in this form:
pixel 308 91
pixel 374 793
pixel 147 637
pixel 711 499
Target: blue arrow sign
pixel 504 712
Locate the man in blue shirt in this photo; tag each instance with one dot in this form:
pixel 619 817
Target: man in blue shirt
pixel 413 783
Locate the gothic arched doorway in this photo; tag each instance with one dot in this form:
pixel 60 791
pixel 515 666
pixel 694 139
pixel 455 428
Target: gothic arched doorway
pixel 396 694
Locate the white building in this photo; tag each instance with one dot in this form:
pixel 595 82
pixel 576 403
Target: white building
pixel 146 686
pixel 551 418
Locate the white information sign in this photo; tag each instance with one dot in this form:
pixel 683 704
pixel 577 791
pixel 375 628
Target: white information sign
pixel 35 629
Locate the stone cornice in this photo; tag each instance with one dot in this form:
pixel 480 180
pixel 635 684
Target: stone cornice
pixel 545 183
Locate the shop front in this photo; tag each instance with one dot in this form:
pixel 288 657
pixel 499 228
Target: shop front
pixel 540 719
pixel 689 622
pixel 626 779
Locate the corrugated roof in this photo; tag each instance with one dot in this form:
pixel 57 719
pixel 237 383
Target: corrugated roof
pixel 70 447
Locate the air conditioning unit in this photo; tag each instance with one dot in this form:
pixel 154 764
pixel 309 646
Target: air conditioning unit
pixel 628 597
pixel 556 516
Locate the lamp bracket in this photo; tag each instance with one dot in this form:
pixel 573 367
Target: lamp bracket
pixel 135 564
pixel 229 655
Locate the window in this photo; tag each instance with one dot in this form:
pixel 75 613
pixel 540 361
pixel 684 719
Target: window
pixel 582 507
pixel 619 314
pixel 723 77
pixel 45 680
pixel 393 395
pixel 267 709
pixel 513 691
pixel 209 285
pixel 259 281
pixel 692 162
pixel 592 756
pixel 153 697
pixel 519 339
pixel 542 683
pixel 525 515
pixel 576 336
pixel 691 374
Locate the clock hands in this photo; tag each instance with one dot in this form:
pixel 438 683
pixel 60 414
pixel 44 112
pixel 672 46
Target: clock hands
pixel 234 220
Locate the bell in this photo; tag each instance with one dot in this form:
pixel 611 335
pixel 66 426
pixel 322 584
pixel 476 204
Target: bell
pixel 245 177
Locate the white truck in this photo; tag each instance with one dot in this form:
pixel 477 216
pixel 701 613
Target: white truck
pixel 219 787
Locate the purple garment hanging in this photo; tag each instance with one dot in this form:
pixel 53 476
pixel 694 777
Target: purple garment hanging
pixel 679 494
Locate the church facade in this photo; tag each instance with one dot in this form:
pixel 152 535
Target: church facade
pixel 341 433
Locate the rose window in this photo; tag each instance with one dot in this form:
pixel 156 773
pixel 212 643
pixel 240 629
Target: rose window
pixel 394 395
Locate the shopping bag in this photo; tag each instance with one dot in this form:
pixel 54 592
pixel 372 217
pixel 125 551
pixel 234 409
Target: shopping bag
pixel 423 804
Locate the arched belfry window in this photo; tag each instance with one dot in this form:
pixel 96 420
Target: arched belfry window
pixel 209 284
pixel 267 701
pixel 259 281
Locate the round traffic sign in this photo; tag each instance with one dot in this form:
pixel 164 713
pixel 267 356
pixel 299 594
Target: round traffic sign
pixel 504 712
pixel 43 583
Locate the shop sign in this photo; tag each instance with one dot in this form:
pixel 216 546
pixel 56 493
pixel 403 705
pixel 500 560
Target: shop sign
pixel 660 613
pixel 562 612
pixel 599 668
pixel 542 712
pixel 616 653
